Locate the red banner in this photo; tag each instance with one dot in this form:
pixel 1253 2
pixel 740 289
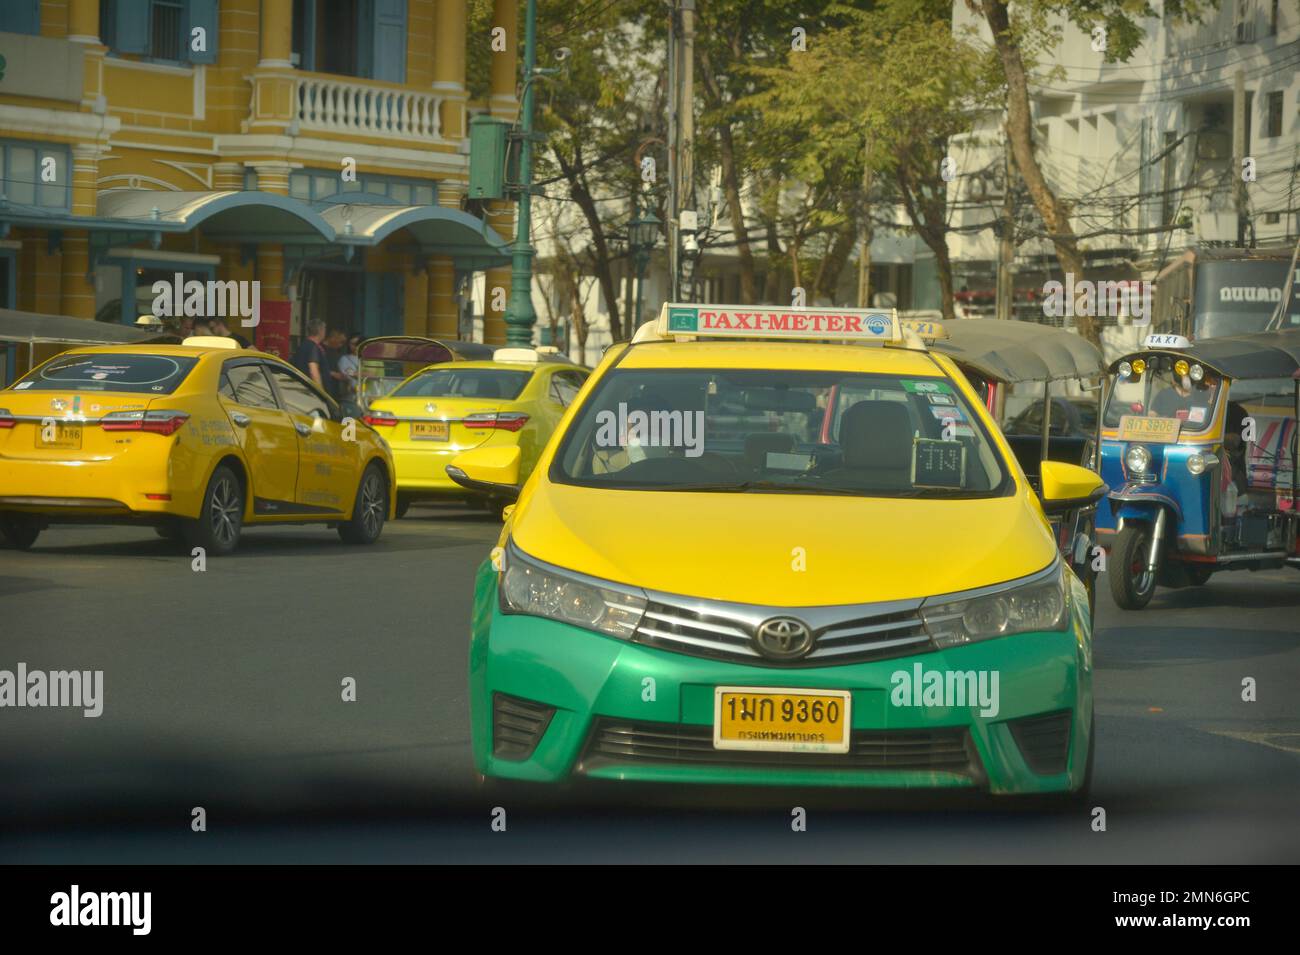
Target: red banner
pixel 273 328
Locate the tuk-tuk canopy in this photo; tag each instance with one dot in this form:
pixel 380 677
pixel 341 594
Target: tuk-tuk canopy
pixel 1014 351
pixel 424 351
pixel 32 328
pixel 1241 357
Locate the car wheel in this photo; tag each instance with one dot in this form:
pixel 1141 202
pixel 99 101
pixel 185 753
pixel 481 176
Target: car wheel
pixel 1131 583
pixel 20 530
pixel 403 505
pixel 369 510
pixel 221 517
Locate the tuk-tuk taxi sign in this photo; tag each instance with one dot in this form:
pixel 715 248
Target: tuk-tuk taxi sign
pixel 1167 341
pixel 856 325
pixel 1149 429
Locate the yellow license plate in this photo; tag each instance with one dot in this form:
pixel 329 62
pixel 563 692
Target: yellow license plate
pixel 1155 430
pixel 59 436
pixel 781 719
pixel 429 430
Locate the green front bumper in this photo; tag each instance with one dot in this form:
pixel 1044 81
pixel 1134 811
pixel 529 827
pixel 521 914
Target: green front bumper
pixel 587 677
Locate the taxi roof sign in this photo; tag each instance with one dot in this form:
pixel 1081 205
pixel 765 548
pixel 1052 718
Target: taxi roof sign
pixel 1166 341
pixel 858 325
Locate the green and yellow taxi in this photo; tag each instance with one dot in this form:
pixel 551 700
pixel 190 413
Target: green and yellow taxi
pixel 509 404
pixel 701 583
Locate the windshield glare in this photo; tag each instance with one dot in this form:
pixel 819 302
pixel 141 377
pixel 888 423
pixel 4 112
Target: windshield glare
pixel 1160 392
pixel 465 382
pixel 780 430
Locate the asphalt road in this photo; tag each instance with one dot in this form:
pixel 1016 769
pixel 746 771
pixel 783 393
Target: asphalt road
pixel 223 690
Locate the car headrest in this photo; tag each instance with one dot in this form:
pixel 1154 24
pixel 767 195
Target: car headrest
pixel 757 446
pixel 877 436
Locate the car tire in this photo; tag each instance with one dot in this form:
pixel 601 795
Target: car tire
pixel 20 530
pixel 1131 585
pixel 369 509
pixel 221 518
pixel 403 505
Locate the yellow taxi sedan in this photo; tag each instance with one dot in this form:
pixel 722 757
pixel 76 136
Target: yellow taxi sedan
pixel 511 403
pixel 197 439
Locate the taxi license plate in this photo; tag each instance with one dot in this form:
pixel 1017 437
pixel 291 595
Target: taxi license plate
pixel 781 719
pixel 1154 430
pixel 59 436
pixel 429 430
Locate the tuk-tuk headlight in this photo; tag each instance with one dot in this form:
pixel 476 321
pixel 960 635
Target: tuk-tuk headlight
pixel 528 587
pixel 1196 373
pixel 1037 605
pixel 1199 461
pixel 1125 369
pixel 1137 459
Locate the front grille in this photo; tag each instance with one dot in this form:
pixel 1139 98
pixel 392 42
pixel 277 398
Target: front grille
pixel 619 742
pixel 843 634
pixel 517 726
pixel 1044 741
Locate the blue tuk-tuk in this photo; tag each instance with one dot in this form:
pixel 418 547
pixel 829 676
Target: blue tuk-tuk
pixel 1199 446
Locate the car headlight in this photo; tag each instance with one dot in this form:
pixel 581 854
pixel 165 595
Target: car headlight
pixel 1138 459
pixel 529 587
pixel 1039 604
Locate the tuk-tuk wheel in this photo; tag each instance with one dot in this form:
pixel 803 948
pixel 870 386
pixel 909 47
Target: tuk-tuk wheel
pixel 20 530
pixel 1131 584
pixel 1199 574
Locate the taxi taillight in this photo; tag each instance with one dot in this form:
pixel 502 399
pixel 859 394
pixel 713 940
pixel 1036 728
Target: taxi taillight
pixel 496 420
pixel 6 419
pixel 156 422
pixel 380 419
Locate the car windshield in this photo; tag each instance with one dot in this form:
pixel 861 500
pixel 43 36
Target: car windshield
pixel 150 374
pixel 809 432
pixel 1159 391
pixel 465 382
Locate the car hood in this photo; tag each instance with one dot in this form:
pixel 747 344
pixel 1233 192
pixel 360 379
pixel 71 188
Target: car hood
pixel 749 547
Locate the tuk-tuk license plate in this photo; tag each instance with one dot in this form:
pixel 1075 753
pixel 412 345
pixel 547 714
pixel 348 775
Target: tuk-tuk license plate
pixel 429 430
pixel 781 719
pixel 59 436
pixel 1154 430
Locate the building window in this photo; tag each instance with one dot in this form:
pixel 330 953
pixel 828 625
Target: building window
pixel 315 186
pixel 1272 218
pixel 1273 128
pixel 32 175
pixel 23 16
pixel 1272 19
pixel 365 38
pixel 165 30
pixel 160 29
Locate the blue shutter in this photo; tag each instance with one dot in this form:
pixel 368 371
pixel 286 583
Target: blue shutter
pixel 131 26
pixel 390 41
pixel 22 16
pixel 201 13
pixel 390 303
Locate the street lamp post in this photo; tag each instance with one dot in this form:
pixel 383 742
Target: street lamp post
pixel 643 236
pixel 520 315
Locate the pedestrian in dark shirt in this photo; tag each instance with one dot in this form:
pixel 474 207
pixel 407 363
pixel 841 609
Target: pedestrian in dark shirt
pixel 334 350
pixel 310 357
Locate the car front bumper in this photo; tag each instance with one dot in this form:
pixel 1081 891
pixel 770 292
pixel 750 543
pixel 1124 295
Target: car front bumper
pixel 551 702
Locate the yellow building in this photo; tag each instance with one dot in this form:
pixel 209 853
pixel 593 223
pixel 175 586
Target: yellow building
pixel 318 147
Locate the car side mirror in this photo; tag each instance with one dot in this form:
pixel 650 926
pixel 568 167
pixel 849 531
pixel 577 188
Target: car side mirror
pixel 1068 486
pixel 490 470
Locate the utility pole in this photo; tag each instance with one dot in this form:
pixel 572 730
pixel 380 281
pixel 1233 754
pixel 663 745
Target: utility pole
pixel 670 214
pixel 864 259
pixel 520 316
pixel 1239 151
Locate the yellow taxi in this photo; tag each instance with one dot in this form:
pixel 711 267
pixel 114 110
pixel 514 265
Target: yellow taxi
pixel 702 584
pixel 509 404
pixel 197 439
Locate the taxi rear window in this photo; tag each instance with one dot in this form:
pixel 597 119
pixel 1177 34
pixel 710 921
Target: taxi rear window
pixel 813 432
pixel 466 382
pixel 116 372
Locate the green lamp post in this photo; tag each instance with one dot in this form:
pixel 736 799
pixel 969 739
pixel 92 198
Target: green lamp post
pixel 642 236
pixel 520 315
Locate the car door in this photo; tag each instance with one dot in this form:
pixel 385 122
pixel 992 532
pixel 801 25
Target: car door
pixel 265 434
pixel 327 465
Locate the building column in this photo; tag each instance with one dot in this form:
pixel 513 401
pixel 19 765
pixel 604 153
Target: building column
pixel 77 292
pixel 274 176
pixel 85 173
pixel 227 176
pixel 83 21
pixel 449 64
pixel 276 31
pixel 443 319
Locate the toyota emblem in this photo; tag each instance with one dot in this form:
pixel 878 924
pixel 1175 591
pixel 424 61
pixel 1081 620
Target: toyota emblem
pixel 430 408
pixel 783 638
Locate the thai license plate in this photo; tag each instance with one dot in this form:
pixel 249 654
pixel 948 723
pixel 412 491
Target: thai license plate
pixel 59 436
pixel 781 719
pixel 1154 430
pixel 429 430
